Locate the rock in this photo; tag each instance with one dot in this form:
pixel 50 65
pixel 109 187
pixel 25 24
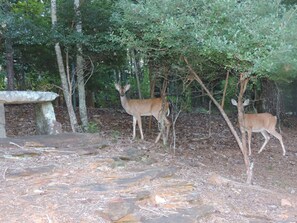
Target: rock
pixel 176 218
pixel 119 209
pixel 45 115
pixel 159 200
pixel 189 215
pixel 286 202
pixel 21 97
pixel 142 195
pixel 2 121
pixel 146 175
pixel 29 171
pixel 130 218
pixel 46 119
pixel 217 180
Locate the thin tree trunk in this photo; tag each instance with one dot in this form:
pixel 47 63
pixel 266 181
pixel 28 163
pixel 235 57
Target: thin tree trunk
pixel 164 100
pixel 152 76
pixel 136 71
pixel 79 71
pixel 225 89
pixel 9 64
pixel 240 144
pixel 278 106
pixel 65 84
pixel 243 84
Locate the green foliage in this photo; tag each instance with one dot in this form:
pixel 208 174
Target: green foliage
pixel 144 85
pixel 2 81
pixel 257 37
pixel 92 127
pixel 254 37
pixel 27 23
pixel 41 82
pixel 243 36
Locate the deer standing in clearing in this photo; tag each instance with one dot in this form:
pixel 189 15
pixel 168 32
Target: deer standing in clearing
pixel 261 122
pixel 144 107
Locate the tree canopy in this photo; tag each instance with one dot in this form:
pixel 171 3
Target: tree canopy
pixel 216 36
pixel 252 36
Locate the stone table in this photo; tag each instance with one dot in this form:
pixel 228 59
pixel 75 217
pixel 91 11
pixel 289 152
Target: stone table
pixel 45 115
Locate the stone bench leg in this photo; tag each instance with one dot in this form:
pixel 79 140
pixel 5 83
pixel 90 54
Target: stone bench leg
pixel 2 121
pixel 46 120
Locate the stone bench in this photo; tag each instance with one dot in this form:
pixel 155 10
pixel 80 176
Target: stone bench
pixel 45 115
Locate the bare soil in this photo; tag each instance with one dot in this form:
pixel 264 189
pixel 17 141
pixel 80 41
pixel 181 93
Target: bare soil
pixel 107 177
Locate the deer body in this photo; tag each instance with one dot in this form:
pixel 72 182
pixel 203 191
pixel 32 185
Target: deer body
pixel 144 107
pixel 262 122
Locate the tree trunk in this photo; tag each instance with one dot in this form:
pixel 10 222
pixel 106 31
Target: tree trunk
pixel 9 64
pixel 239 142
pixel 65 83
pixel 225 89
pixel 79 71
pixel 152 76
pixel 270 95
pixel 243 84
pixel 164 100
pixel 137 72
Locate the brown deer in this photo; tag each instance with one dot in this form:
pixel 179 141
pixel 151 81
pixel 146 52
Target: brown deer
pixel 261 122
pixel 144 107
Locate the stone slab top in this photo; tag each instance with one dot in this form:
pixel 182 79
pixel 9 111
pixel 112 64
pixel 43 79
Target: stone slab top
pixel 23 97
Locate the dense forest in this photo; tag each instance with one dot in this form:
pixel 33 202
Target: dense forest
pixel 146 44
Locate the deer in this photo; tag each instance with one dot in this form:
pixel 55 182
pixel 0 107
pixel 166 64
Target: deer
pixel 144 107
pixel 261 122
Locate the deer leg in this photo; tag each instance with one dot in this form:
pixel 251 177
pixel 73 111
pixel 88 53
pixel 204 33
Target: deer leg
pixel 140 126
pixel 280 138
pixel 158 137
pixel 163 121
pixel 160 125
pixel 134 127
pixel 267 138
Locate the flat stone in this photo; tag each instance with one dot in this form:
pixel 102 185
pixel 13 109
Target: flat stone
pixel 22 97
pixel 148 174
pixel 14 173
pixel 119 209
pixel 286 202
pixel 176 218
pixel 45 115
pixel 191 215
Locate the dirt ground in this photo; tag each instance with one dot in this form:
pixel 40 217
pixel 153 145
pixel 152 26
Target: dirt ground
pixel 107 177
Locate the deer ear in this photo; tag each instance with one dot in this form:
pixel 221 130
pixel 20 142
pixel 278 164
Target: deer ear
pixel 233 102
pixel 246 102
pixel 117 86
pixel 127 87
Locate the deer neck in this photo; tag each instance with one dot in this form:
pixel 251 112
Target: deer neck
pixel 124 101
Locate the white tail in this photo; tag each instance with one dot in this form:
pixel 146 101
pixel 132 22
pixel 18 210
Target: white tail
pixel 144 107
pixel 261 122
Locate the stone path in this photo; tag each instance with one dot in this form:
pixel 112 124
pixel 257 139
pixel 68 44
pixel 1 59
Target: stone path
pixel 82 178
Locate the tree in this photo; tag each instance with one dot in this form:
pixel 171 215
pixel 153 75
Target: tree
pixel 8 42
pixel 26 24
pixel 80 69
pixel 66 84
